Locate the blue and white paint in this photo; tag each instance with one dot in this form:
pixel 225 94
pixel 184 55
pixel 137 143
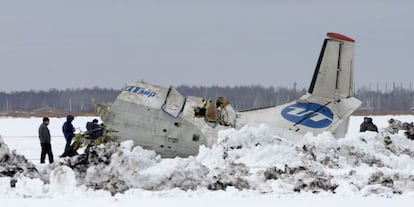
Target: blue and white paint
pixel 139 90
pixel 311 115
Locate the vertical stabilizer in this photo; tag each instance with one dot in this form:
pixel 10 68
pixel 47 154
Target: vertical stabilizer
pixel 333 76
pixel 332 82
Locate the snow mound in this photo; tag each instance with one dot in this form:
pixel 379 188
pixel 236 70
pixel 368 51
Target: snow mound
pixel 248 159
pixel 255 159
pixel 4 150
pixel 62 180
pixel 13 165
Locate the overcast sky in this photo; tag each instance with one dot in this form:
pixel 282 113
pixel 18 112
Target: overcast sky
pixel 107 43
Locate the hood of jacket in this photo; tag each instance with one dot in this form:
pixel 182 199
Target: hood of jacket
pixel 69 118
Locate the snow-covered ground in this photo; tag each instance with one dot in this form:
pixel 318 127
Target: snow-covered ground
pixel 254 167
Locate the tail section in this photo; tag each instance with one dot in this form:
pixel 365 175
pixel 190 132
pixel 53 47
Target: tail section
pixel 332 84
pixel 333 74
pixel 328 104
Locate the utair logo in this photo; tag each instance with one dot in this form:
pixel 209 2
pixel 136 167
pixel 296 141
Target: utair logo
pixel 138 90
pixel 312 115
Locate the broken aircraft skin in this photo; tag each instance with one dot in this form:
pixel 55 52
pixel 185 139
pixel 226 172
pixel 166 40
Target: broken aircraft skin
pixel 161 119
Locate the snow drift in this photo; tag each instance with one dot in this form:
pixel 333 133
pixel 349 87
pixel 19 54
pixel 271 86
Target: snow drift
pixel 251 158
pixel 14 166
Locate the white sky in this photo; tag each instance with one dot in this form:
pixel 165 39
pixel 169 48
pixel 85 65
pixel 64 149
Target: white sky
pixel 107 43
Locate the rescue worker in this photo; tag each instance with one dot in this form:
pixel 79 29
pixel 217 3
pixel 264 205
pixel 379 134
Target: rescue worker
pixel 44 137
pixel 227 115
pixel 91 125
pixel 363 126
pixel 371 126
pixel 69 132
pixel 93 132
pixel 368 125
pixel 93 129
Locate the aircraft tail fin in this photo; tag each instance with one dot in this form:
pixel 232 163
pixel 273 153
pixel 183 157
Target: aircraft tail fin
pixel 329 102
pixel 333 76
pixel 332 82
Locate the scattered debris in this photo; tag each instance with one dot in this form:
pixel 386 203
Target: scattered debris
pixel 317 164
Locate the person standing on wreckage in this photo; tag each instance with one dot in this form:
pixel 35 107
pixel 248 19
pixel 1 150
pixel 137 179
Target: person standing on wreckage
pixel 69 132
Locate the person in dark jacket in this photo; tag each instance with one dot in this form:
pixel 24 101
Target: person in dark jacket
pixel 368 125
pixel 44 137
pixel 364 124
pixel 94 130
pixel 92 125
pixel 69 133
pixel 371 126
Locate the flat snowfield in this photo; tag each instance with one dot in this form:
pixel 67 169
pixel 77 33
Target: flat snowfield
pixel 21 134
pixel 363 170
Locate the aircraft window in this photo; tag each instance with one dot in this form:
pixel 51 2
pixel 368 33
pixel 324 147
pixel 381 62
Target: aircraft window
pixel 196 137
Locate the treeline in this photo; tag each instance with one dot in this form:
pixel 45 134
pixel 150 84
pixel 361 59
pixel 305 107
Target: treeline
pixel 245 97
pixel 241 97
pixel 71 100
pixel 80 100
pixel 399 99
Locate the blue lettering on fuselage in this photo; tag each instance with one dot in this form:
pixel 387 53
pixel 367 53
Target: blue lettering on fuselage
pixel 138 90
pixel 312 115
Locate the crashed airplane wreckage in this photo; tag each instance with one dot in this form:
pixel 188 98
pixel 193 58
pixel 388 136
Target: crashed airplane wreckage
pixel 161 119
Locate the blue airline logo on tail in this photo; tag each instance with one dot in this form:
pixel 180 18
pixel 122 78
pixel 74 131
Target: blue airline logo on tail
pixel 312 115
